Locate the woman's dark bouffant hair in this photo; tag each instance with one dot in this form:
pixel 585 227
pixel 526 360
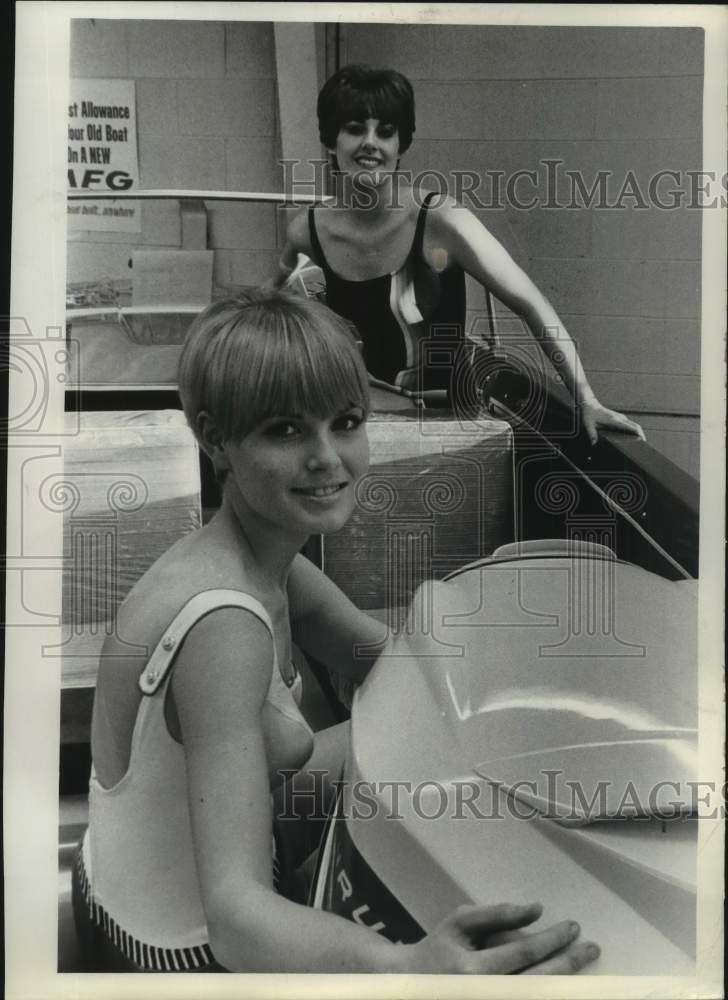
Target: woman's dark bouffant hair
pixel 356 93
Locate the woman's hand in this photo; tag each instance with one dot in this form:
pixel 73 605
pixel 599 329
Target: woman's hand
pixel 595 416
pixel 460 945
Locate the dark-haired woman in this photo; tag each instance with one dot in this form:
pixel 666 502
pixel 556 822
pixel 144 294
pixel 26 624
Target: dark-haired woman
pixel 180 869
pixel 395 262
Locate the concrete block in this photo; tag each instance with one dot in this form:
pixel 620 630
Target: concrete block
pixel 453 111
pixel 502 109
pixel 597 52
pixel 432 163
pixel 650 108
pixel 239 226
pixel 554 161
pixel 682 51
pixel 671 289
pixel 98 48
pixel 558 109
pixel 252 164
pixel 642 234
pixel 244 267
pixel 182 162
pixel 637 391
pixel 645 159
pixel 631 160
pixel 425 154
pixel 639 344
pixel 453 159
pixel 501 166
pixel 514 52
pixel 176 49
pixel 226 107
pixel 409 48
pixel 545 233
pixel 249 50
pixel 156 102
pixel 483 52
pixel 522 52
pixel 193 215
pixel 660 289
pixel 297 83
pixel 161 224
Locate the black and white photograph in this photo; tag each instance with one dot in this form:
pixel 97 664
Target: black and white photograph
pixel 365 528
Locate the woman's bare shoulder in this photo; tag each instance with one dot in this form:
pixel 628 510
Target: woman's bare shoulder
pixel 454 229
pixel 446 211
pixel 193 565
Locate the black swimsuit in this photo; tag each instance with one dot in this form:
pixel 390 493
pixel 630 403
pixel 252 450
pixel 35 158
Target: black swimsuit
pixel 411 321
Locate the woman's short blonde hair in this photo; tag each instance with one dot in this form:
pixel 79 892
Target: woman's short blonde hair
pixel 264 354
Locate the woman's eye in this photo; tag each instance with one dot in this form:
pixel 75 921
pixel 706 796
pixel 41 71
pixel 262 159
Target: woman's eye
pixel 348 422
pixel 387 131
pixel 354 128
pixel 282 429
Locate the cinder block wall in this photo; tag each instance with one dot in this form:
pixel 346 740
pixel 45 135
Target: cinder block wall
pixel 206 119
pixel 626 282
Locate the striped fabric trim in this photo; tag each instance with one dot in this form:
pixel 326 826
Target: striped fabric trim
pixel 145 956
pixel 276 866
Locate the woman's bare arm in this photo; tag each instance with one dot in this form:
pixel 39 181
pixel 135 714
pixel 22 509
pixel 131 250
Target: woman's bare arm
pixel 220 684
pixel 326 624
pixel 469 244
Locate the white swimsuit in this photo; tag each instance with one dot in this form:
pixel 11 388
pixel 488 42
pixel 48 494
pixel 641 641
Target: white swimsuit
pixel 137 868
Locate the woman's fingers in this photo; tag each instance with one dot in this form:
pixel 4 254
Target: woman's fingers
pixel 632 427
pixel 483 920
pixel 516 956
pixel 599 416
pixel 619 422
pixel 567 962
pixel 462 944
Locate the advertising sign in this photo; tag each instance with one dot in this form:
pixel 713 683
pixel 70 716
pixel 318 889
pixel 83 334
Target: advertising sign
pixel 102 154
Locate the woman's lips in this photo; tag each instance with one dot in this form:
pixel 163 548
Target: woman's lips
pixel 320 492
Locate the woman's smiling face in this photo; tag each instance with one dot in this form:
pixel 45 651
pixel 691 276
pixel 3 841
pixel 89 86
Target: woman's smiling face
pixel 300 471
pixel 369 147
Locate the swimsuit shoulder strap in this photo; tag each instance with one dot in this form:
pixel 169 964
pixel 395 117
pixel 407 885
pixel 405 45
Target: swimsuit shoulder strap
pixel 420 227
pixel 197 607
pixel 315 242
